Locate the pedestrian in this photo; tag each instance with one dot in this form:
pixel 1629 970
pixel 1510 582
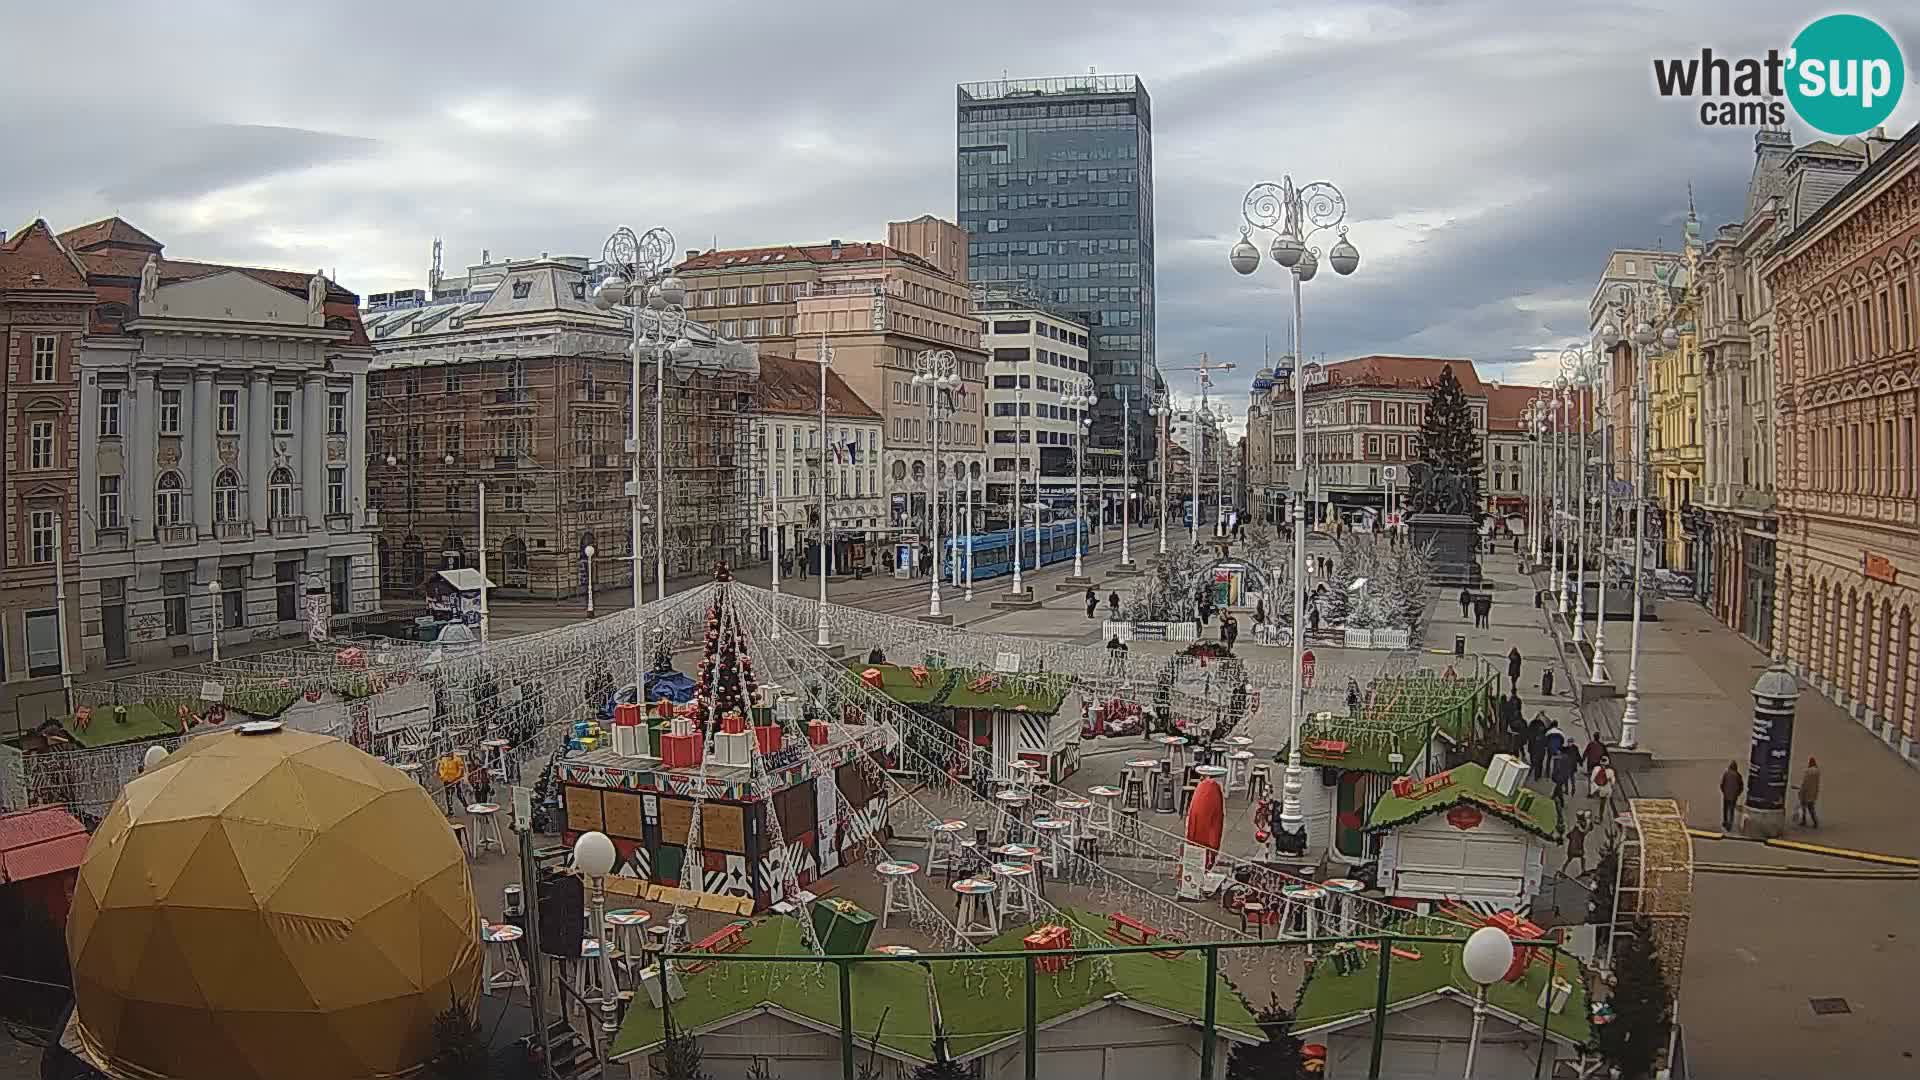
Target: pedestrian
pixel 875 656
pixel 1546 681
pixel 1116 655
pixel 1561 770
pixel 1229 631
pixel 1513 720
pixel 1556 739
pixel 1731 785
pixel 1810 794
pixel 1260 610
pixel 1595 752
pixel 1482 607
pixel 1313 619
pixel 1113 603
pixel 1513 668
pixel 1093 602
pixel 1537 746
pixel 1353 698
pixel 1466 603
pixel 1577 843
pixel 1600 781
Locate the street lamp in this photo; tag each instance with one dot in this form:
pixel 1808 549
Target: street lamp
pixel 1560 492
pixel 1161 408
pixel 971 471
pixel 1487 957
pixel 1222 416
pixel 1126 465
pixel 937 370
pixel 588 552
pixel 823 356
pixel 593 855
pixel 1579 368
pixel 213 591
pixel 1294 215
pixel 1603 424
pixel 639 274
pixel 1079 398
pixel 1643 336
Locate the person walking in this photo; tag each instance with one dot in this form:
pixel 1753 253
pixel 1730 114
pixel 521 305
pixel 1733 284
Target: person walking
pixel 1577 843
pixel 1466 603
pixel 1810 794
pixel 1561 770
pixel 1556 740
pixel 1229 630
pixel 1513 721
pixel 1482 608
pixel 1113 603
pixel 1731 785
pixel 1537 746
pixel 1513 668
pixel 1600 781
pixel 1093 602
pixel 1594 753
pixel 1116 655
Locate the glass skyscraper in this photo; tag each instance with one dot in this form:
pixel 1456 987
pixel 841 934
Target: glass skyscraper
pixel 1056 195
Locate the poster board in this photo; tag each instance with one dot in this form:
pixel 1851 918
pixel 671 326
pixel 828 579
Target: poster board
pixel 584 811
pixel 622 814
pixel 723 827
pixel 676 815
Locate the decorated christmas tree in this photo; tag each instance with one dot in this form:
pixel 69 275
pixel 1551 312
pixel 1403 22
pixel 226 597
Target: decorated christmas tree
pixel 1448 444
pixel 1642 1007
pixel 725 682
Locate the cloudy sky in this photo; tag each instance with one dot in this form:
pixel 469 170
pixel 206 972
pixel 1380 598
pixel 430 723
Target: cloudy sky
pixel 1491 153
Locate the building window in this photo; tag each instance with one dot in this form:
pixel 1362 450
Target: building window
pixel 286 590
pixel 336 490
pixel 167 510
pixel 169 412
pixel 456 497
pixel 40 444
pixel 173 589
pixel 729 297
pixel 280 493
pixel 233 597
pixel 45 350
pixel 226 495
pixel 750 328
pixel 513 498
pixel 40 538
pixel 109 502
pixel 283 412
pixel 109 414
pixel 337 412
pixel 749 295
pixel 455 438
pixel 339 578
pixel 227 413
pixel 452 381
pixel 43 642
pixel 776 294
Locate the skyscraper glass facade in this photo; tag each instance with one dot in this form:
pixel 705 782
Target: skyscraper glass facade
pixel 1056 195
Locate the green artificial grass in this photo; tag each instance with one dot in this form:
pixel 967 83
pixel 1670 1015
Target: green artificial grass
pixel 951 688
pixel 1370 746
pixel 891 997
pixel 1537 816
pixel 263 703
pixel 157 719
pixel 1329 996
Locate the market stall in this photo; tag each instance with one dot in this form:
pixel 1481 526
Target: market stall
pixel 1457 835
pixel 1011 717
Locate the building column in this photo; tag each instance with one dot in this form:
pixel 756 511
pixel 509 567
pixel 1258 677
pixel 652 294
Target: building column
pixel 357 451
pixel 141 450
pixel 259 449
pixel 313 449
pixel 200 420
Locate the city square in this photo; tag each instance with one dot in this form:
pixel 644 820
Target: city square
pixel 1153 615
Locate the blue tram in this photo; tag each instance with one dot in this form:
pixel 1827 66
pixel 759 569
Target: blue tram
pixel 993 552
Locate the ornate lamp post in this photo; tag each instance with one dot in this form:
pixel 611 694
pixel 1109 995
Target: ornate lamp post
pixel 1599 674
pixel 1561 563
pixel 1579 371
pixel 823 357
pixel 594 856
pixel 1161 408
pixel 1126 492
pixel 639 275
pixel 972 474
pixel 1079 399
pixel 588 553
pixel 937 370
pixel 1294 215
pixel 1643 336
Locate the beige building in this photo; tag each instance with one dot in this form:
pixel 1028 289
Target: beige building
pixel 1037 355
pixel 878 307
pixel 1845 285
pixel 788 475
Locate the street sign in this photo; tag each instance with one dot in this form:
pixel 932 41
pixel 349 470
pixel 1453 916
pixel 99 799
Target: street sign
pixel 1391 472
pixel 1620 489
pixel 1306 668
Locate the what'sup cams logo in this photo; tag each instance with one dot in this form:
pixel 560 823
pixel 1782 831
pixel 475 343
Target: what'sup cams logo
pixel 1843 74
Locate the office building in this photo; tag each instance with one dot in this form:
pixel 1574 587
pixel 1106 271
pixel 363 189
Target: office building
pixel 788 464
pixel 1037 354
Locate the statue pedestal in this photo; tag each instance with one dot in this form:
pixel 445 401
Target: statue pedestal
pixel 1455 540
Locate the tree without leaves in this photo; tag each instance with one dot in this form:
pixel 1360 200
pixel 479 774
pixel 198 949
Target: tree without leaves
pixel 1448 443
pixel 679 1057
pixel 1642 1007
pixel 1276 1059
pixel 459 1048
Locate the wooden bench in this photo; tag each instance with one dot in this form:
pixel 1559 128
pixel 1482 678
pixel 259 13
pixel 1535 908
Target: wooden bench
pixel 1398 952
pixel 1127 930
pixel 729 938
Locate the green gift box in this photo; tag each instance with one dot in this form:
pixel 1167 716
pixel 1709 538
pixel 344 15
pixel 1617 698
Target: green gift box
pixel 843 928
pixel 654 731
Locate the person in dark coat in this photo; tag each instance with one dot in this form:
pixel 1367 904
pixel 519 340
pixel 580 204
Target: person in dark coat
pixel 1466 603
pixel 1809 794
pixel 1116 655
pixel 1513 668
pixel 1229 630
pixel 1513 721
pixel 1093 602
pixel 1564 767
pixel 1595 752
pixel 1113 603
pixel 1537 746
pixel 1731 787
pixel 1482 608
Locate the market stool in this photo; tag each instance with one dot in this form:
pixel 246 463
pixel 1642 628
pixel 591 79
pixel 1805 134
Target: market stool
pixel 1302 911
pixel 677 932
pixel 460 837
pixel 1239 771
pixel 1346 892
pixel 1260 782
pixel 1130 822
pixel 413 771
pixel 1078 810
pixel 1217 754
pixel 1013 822
pixel 1025 773
pixel 1254 911
pixel 1014 879
pixel 495 759
pixel 1135 794
pixel 585 972
pixel 899 889
pixel 966 858
pixel 655 944
pixel 1101 817
pixel 943 842
pixel 626 928
pixel 979 917
pixel 1186 794
pixel 1054 837
pixel 486 827
pixel 502 966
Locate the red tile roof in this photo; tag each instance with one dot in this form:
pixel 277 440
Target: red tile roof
pixel 41 841
pixel 1404 372
pixel 784 255
pixel 792 387
pixel 34 258
pixel 111 232
pixel 1507 405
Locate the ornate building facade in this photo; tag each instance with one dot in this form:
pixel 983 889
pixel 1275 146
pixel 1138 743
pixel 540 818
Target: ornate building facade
pixel 1845 285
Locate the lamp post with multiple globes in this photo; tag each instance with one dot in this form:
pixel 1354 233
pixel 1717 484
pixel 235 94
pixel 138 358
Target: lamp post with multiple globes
pixel 938 371
pixel 1642 335
pixel 1079 399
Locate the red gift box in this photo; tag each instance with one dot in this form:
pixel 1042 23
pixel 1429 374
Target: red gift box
pixel 1049 937
pixel 733 723
pixel 816 733
pixel 681 751
pixel 768 738
pixel 626 715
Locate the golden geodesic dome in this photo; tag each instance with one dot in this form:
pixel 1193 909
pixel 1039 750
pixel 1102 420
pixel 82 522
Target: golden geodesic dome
pixel 270 905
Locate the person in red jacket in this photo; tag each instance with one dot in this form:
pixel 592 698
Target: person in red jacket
pixel 1731 785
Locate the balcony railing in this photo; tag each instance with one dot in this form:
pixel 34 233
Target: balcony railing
pixel 288 526
pixel 111 538
pixel 233 530
pixel 175 535
pixel 339 523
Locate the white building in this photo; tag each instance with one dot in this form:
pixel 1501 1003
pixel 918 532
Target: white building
pixel 222 440
pixel 1035 357
pixel 787 466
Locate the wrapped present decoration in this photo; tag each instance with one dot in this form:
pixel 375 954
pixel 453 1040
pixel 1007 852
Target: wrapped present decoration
pixel 655 732
pixel 768 737
pixel 1050 937
pixel 872 678
pixel 626 714
pixel 680 751
pixel 816 733
pixel 843 927
pixel 733 723
pixel 733 748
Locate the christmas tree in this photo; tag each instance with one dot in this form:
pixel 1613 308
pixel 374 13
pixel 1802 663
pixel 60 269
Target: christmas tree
pixel 459 1048
pixel 725 682
pixel 1448 444
pixel 1633 1041
pixel 1276 1059
pixel 678 1057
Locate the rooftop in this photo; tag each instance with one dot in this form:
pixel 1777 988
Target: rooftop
pixel 1330 999
pixel 1402 372
pixel 34 258
pixel 1463 784
pixel 1059 86
pixel 786 255
pixel 793 387
pixel 1507 405
pixel 40 841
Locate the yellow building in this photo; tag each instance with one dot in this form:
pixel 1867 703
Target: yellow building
pixel 1676 445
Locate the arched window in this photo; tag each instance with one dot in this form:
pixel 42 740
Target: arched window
pixel 226 496
pixel 167 509
pixel 280 493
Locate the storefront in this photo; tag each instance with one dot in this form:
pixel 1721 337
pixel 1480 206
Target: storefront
pixel 1756 613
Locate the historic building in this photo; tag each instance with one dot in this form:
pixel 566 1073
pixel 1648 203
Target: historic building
pixel 44 309
pixel 1845 282
pixel 877 307
pixel 516 386
pixel 1736 525
pixel 1512 453
pixel 1037 354
pixel 1636 278
pixel 790 470
pixel 1674 445
pixel 221 439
